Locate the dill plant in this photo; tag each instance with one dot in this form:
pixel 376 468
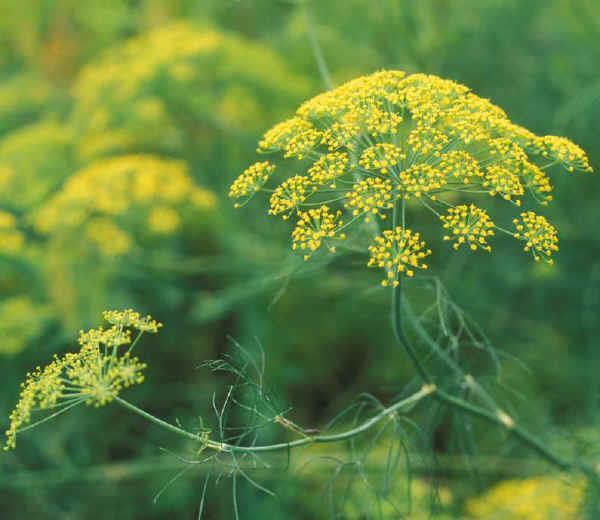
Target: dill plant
pixel 359 164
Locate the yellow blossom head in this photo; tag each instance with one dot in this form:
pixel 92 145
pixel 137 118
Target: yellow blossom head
pixel 94 375
pixel 373 149
pixel 315 227
pixel 105 198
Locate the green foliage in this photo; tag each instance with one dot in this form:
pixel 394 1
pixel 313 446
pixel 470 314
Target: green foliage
pixel 84 86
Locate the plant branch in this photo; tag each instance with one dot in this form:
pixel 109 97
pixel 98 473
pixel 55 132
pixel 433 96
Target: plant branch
pixel 413 399
pixel 496 417
pixel 316 48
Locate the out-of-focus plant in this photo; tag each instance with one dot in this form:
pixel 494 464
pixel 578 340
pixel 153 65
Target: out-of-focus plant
pixel 177 87
pixel 113 211
pixel 12 239
pixel 34 160
pixel 364 501
pixel 536 498
pixel 112 203
pixel 22 321
pixel 23 97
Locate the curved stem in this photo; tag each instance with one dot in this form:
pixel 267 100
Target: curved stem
pixel 496 417
pixel 425 391
pixel 163 424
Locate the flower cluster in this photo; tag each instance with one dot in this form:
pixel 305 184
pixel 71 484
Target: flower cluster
pixel 369 197
pixel 468 225
pixel 133 319
pixel 251 180
pixel 105 198
pixel 397 251
pixel 11 239
pixel 534 498
pixel 94 375
pixel 328 168
pixel 314 227
pixel 539 235
pixel 382 144
pixel 146 92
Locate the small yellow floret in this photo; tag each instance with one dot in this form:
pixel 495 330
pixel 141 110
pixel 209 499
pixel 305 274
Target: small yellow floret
pixel 314 227
pixel 468 225
pixel 397 251
pixel 289 194
pixel 539 235
pixel 372 196
pixel 328 168
pixel 251 180
pixel 382 157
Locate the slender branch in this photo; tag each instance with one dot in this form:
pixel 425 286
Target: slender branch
pixel 399 332
pixel 316 48
pixel 425 391
pixel 496 417
pixel 163 424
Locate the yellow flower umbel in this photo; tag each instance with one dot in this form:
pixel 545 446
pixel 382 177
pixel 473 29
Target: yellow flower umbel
pixel 535 498
pixel 166 86
pixel 370 197
pixel 251 181
pixel 94 375
pixel 314 227
pixel 468 225
pixel 397 251
pixel 328 168
pixel 290 195
pixel 373 149
pixel 539 235
pixel 105 199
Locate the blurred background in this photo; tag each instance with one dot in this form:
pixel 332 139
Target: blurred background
pixel 123 122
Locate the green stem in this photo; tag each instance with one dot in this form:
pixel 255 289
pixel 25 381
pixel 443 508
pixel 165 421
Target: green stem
pixel 425 391
pixel 496 417
pixel 399 332
pixel 157 421
pixel 316 48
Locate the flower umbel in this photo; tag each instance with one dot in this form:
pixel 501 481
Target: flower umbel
pixel 94 375
pixel 398 251
pixel 380 147
pixel 539 235
pixel 251 181
pixel 468 225
pixel 314 227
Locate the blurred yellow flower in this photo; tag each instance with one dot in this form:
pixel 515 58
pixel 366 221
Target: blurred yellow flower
pixel 106 196
pixel 536 498
pixel 21 321
pixel 11 239
pixel 163 220
pixel 149 90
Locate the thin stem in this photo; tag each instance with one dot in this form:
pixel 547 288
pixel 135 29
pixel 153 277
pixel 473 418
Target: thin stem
pixel 159 422
pixel 399 333
pixel 316 48
pixel 51 416
pixel 497 417
pixel 425 391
